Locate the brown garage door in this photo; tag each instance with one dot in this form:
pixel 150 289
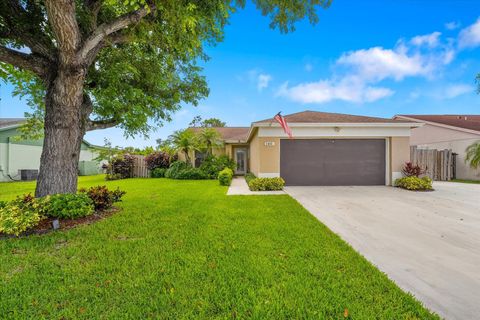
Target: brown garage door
pixel 332 162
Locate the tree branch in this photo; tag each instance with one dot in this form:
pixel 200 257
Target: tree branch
pixel 24 61
pixel 29 34
pixel 116 38
pixel 106 29
pixel 62 18
pixel 101 124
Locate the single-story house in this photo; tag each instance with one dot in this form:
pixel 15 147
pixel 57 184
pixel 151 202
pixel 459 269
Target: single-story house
pixel 326 149
pixel 17 155
pixel 455 132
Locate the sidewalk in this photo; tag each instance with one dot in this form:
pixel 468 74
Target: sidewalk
pixel 239 187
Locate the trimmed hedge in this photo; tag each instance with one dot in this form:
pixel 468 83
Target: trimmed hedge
pixel 191 174
pixel 158 173
pixel 249 177
pixel 225 177
pixel 212 165
pixel 414 183
pixel 266 184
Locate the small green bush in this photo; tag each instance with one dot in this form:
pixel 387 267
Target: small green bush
pixel 113 176
pixel 158 173
pixel 225 177
pixel 212 165
pixel 19 215
pixel 266 184
pixel 175 168
pixel 249 177
pixel 102 197
pixel 191 174
pixel 67 206
pixel 414 183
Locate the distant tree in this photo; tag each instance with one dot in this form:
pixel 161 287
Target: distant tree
pixel 208 139
pixel 473 155
pixel 93 64
pixel 213 122
pixel 197 122
pixel 184 141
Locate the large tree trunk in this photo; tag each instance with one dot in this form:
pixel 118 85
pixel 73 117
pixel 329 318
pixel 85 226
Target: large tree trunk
pixel 65 121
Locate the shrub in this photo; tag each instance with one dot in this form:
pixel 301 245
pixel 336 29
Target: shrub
pixel 225 177
pixel 266 184
pixel 3 204
pixel 67 206
pixel 249 177
pixel 175 168
pixel 212 165
pixel 115 176
pixel 122 166
pixel 102 197
pixel 191 174
pixel 410 170
pixel 157 159
pixel 158 173
pixel 19 215
pixel 414 183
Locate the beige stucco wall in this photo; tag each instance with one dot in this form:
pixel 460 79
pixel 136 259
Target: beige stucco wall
pixel 428 134
pixel 399 154
pixel 254 160
pixel 269 156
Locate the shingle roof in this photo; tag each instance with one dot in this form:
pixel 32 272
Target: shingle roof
pixel 230 133
pixel 8 122
pixel 327 117
pixel 465 121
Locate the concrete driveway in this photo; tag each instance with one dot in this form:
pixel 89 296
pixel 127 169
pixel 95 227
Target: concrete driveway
pixel 427 242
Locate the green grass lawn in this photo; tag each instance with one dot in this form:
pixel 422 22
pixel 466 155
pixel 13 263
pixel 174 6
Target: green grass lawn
pixel 466 181
pixel 183 249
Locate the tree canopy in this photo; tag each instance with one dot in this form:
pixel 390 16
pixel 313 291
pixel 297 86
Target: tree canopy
pixel 93 64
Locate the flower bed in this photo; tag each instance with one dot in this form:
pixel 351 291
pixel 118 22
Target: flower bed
pixel 28 215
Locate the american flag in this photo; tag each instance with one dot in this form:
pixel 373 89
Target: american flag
pixel 281 120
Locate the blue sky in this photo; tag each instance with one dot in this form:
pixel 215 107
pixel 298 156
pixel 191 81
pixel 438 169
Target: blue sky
pixel 403 56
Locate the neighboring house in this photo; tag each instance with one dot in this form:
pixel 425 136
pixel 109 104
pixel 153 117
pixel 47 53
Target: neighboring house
pixel 327 149
pixel 454 132
pixel 16 154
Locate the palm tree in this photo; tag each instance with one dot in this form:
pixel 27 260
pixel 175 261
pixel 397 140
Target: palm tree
pixel 473 155
pixel 184 141
pixel 210 138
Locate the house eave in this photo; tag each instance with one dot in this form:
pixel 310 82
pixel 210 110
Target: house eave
pixel 412 124
pixel 439 124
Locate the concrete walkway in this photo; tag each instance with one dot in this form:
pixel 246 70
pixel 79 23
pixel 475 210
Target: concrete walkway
pixel 427 242
pixel 239 187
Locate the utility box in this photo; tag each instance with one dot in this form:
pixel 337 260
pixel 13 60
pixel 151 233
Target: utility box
pixel 28 174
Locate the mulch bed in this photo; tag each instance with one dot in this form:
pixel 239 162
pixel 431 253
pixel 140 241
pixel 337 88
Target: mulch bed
pixel 46 226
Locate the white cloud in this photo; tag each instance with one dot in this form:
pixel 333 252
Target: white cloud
pixel 430 40
pixel 377 63
pixel 324 91
pixel 455 90
pixel 263 80
pixel 452 25
pixel 470 36
pixel 357 75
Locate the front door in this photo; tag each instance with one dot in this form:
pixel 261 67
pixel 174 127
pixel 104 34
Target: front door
pixel 241 160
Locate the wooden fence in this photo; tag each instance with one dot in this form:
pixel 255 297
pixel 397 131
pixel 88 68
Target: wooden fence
pixel 140 167
pixel 438 164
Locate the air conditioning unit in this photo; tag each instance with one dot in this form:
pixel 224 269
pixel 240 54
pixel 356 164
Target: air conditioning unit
pixel 28 174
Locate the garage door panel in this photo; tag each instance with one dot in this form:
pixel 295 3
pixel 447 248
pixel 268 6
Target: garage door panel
pixel 333 161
